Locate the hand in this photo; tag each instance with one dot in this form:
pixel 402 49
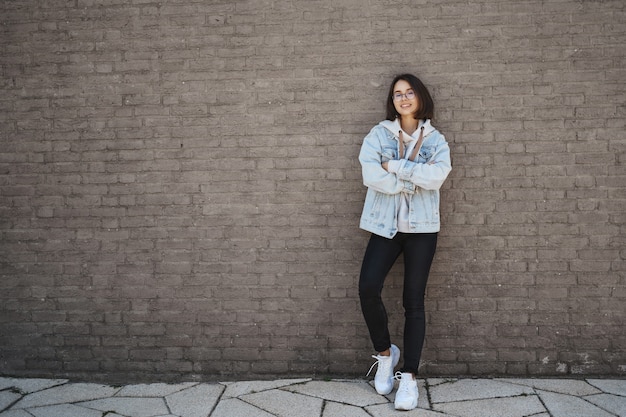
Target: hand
pixel 386 166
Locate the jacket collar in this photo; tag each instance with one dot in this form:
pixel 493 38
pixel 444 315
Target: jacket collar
pixel 394 127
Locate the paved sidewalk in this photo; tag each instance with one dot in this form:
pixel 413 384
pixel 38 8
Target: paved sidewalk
pixel 439 397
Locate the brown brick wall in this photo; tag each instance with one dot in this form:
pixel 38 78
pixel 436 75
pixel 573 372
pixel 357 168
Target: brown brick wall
pixel 180 190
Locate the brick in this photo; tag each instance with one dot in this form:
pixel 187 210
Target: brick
pixel 128 173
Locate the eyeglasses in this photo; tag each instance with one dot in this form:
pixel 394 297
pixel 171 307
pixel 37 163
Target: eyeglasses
pixel 410 95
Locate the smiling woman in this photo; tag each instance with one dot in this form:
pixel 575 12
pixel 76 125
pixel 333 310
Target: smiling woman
pixel 425 105
pixel 404 161
pixel 406 103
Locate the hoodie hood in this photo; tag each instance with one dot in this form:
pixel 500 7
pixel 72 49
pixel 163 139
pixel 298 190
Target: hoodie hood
pixel 394 127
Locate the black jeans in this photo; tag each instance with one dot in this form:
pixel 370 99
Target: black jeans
pixel 380 255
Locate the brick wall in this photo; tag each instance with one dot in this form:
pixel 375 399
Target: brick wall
pixel 180 190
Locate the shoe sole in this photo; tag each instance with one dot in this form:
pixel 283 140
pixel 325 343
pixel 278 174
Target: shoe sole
pixel 402 408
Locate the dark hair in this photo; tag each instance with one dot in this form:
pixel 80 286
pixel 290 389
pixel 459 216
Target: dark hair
pixel 426 108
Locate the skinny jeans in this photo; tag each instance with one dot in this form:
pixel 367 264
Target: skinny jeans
pixel 380 255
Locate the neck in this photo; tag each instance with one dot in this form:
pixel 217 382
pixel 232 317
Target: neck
pixel 409 124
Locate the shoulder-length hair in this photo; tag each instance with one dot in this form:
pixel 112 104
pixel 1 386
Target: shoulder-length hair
pixel 426 107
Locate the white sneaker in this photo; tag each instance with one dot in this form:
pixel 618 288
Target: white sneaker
pixel 407 395
pixel 383 380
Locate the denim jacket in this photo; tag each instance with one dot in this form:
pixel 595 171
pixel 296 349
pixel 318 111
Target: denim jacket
pixel 420 179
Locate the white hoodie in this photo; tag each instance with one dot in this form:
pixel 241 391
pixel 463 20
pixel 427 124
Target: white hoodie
pixel 410 141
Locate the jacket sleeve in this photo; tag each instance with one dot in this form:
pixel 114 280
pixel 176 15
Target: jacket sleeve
pixel 432 174
pixel 374 175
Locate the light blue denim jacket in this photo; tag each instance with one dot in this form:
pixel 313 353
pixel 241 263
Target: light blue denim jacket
pixel 420 179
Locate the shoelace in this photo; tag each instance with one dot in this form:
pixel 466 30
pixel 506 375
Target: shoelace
pixel 378 360
pixel 402 388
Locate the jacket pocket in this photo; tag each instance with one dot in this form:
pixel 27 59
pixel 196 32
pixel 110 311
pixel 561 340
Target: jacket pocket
pixel 426 153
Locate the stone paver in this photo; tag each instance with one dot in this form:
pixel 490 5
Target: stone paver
pixel 152 390
pixel 561 405
pixel 17 413
pixel 521 406
pixel 610 386
pixel 63 410
pixel 450 397
pixel 285 404
pixel 342 410
pixel 28 385
pixel 357 393
pixel 195 401
pixel 562 386
pixel 231 407
pixel 7 398
pixel 236 389
pixel 612 403
pixel 69 393
pixel 136 407
pixel 387 410
pixel 475 389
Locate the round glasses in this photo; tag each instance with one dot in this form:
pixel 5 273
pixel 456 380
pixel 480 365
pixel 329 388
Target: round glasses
pixel 410 95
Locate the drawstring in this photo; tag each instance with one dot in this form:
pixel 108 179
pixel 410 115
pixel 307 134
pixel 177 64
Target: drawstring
pixel 418 145
pixel 416 149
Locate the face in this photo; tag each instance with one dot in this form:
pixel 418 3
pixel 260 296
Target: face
pixel 405 106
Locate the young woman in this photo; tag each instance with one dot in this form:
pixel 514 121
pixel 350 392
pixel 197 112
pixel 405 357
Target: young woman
pixel 404 161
